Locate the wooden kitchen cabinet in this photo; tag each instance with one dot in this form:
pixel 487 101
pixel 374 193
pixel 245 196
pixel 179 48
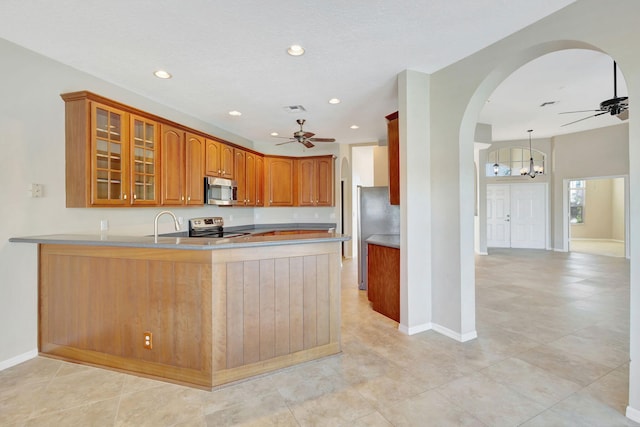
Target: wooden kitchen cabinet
pixel 173 165
pixel 182 167
pixel 249 175
pixel 144 160
pixel 394 158
pixel 219 159
pixel 315 181
pixel 279 181
pixel 111 155
pixel 194 169
pixel 383 287
pixel 259 180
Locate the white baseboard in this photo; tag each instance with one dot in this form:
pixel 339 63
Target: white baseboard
pixel 414 329
pixel 6 364
pixel 455 335
pixel 633 414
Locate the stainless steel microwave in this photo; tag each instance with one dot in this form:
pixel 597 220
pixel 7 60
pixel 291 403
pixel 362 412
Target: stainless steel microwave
pixel 220 191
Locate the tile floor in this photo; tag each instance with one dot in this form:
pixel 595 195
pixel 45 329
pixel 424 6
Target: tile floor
pixel 552 351
pixel 598 247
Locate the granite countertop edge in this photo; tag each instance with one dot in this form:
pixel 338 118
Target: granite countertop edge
pixel 180 240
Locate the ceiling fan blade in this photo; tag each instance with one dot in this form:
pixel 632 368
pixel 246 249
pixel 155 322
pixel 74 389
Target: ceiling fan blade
pixel 580 111
pixel 584 118
pixel 322 139
pixel 307 144
pixel 286 142
pixel 307 135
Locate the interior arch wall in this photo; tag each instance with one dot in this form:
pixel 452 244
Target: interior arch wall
pixel 463 88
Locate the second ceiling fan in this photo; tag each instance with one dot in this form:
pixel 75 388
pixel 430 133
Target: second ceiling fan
pixel 305 138
pixel 616 106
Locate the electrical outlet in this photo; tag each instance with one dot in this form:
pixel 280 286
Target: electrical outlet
pixel 148 340
pixel 36 190
pixel 104 225
pixel 180 220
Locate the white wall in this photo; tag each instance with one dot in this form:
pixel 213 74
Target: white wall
pixel 32 147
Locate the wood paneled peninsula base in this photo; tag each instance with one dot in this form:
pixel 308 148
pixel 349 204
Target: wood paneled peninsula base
pixel 214 316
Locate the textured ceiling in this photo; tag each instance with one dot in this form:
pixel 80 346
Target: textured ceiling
pixel 231 55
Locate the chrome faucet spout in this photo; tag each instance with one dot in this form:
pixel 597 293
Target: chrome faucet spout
pixel 155 224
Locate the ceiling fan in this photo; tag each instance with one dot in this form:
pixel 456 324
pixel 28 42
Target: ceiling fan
pixel 616 106
pixel 305 138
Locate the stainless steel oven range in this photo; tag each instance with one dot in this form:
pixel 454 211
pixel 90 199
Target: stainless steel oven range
pixel 211 227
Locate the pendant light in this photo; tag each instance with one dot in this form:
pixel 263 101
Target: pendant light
pixel 532 171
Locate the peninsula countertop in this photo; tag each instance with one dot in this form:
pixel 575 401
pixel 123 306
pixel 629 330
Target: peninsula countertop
pixel 255 238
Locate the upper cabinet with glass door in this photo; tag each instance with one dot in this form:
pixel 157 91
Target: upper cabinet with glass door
pixel 109 152
pixel 111 158
pixel 144 161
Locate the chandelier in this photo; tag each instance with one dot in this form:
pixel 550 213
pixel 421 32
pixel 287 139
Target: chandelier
pixel 533 170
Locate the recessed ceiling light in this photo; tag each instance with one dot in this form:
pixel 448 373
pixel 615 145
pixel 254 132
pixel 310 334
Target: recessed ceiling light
pixel 295 50
pixel 162 74
pixel 334 101
pixel 235 113
pixel 355 127
pixel 274 134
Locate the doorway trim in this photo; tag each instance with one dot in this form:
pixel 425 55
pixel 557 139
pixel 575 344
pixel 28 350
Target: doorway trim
pixel 566 211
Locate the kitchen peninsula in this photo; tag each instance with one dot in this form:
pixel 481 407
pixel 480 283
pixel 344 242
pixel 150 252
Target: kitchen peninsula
pixel 197 311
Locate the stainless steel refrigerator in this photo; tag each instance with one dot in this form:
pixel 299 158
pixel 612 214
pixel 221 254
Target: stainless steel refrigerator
pixel 375 216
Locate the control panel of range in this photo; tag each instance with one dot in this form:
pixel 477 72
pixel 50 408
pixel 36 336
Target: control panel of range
pixel 214 222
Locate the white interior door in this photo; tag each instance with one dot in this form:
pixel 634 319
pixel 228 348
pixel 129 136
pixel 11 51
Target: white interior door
pixel 528 220
pixel 498 216
pixel 516 216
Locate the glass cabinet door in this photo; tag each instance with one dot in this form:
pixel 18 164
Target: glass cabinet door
pixel 109 142
pixel 144 155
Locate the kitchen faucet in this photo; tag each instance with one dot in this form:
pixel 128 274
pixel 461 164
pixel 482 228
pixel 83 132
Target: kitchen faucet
pixel 155 224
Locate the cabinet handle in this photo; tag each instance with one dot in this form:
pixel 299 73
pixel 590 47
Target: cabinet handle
pixel 182 198
pixel 125 196
pixel 188 198
pixel 219 171
pixel 135 197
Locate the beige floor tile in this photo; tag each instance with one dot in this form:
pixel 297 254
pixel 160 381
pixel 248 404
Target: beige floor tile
pixel 580 411
pixel 102 413
pixel 596 349
pixel 478 394
pixel 428 409
pixel 340 408
pixel 166 405
pixel 565 365
pixel 372 420
pixel 529 380
pixel 267 409
pixel 611 389
pixel 85 386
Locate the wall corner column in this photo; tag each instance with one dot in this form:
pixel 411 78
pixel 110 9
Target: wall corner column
pixel 415 201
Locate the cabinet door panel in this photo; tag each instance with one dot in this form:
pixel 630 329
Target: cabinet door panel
pixel 172 163
pixel 109 160
pixel 280 181
pixel 226 161
pixel 239 172
pixel 324 185
pixel 306 182
pixel 250 179
pixel 212 158
pixel 144 161
pixel 194 173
